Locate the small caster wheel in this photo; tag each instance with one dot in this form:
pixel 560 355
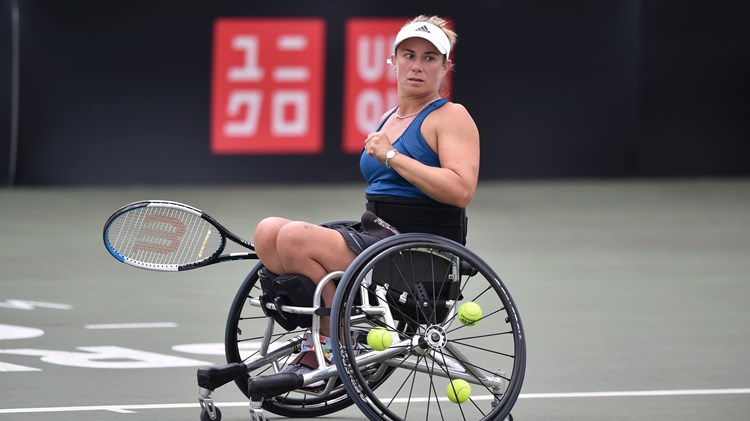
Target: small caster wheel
pixel 206 417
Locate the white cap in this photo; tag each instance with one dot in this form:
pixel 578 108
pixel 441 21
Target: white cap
pixel 427 31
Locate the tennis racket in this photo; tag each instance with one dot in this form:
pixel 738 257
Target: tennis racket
pixel 169 236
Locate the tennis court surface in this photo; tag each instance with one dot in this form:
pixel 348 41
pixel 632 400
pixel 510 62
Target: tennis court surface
pixel 633 295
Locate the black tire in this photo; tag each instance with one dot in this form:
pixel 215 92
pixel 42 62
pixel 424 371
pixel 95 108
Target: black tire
pixel 246 325
pixel 436 347
pixel 206 417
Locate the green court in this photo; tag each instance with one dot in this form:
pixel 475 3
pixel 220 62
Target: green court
pixel 633 295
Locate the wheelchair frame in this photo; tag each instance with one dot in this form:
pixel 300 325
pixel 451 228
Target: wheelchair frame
pixel 426 339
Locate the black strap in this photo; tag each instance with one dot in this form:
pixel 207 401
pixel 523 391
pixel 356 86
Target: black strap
pixel 416 215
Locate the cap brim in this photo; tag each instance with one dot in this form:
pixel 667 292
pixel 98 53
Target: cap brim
pixel 427 31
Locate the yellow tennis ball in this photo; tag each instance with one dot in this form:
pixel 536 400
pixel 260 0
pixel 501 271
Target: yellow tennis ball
pixel 379 338
pixel 469 313
pixel 458 391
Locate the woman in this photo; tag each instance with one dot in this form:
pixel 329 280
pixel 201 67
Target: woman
pixel 422 166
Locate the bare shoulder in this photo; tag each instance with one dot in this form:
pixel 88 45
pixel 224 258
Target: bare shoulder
pixel 449 124
pixel 451 113
pixel 451 116
pixel 453 108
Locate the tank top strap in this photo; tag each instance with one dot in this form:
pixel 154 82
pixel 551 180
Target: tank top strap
pixel 434 105
pixel 414 143
pixel 382 122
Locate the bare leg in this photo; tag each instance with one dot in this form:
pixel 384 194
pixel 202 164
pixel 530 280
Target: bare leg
pixel 287 246
pixel 264 241
pixel 314 251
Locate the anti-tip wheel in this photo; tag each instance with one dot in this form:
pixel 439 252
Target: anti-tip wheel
pixel 206 417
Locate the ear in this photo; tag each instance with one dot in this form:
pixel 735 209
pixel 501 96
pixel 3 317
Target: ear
pixel 391 60
pixel 447 65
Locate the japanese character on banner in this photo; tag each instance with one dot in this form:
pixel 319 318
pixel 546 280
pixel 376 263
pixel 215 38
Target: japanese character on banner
pixel 267 92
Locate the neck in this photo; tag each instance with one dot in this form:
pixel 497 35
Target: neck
pixel 410 108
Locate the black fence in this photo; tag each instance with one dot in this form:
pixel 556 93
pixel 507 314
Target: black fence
pixel 120 92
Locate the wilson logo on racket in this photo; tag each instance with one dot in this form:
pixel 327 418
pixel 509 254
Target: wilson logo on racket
pixel 168 236
pixel 159 234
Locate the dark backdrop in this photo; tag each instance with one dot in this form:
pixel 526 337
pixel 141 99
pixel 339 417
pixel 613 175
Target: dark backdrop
pixel 117 92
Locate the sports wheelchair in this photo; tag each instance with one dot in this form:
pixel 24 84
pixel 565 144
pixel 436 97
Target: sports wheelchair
pixel 410 284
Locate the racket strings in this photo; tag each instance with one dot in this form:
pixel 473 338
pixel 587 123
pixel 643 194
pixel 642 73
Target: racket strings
pixel 164 236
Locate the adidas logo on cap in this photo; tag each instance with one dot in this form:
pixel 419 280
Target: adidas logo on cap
pixel 425 30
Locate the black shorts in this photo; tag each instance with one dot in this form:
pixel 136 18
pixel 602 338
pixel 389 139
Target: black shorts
pixel 368 231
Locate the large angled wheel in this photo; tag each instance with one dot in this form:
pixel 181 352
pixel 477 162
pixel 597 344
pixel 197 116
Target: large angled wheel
pixel 246 327
pixel 413 285
pixel 245 330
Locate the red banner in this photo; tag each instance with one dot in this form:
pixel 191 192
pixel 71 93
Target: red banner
pixel 369 82
pixel 267 88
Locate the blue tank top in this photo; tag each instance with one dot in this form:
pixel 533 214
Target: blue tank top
pixel 387 182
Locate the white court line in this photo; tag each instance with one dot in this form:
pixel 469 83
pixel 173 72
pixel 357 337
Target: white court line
pixel 132 325
pixel 125 409
pixel 637 393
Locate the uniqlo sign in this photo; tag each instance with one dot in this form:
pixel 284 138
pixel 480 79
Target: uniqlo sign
pixel 370 83
pixel 267 88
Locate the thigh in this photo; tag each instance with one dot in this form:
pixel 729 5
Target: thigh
pixel 299 242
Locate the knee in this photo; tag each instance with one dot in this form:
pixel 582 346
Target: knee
pixel 267 231
pixel 293 235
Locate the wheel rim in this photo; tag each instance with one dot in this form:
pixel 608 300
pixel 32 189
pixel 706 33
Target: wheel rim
pixel 437 351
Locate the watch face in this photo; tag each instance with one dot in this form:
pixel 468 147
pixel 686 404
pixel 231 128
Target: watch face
pixel 390 154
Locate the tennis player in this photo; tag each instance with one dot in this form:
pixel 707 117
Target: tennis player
pixel 421 165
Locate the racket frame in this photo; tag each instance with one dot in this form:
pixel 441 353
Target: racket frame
pixel 215 257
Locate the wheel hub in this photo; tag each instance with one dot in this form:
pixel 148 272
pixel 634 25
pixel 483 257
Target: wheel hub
pixel 435 337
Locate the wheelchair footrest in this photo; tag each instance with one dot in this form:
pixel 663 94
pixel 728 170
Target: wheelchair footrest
pixel 272 385
pixel 212 378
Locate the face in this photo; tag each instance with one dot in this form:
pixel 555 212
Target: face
pixel 419 65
